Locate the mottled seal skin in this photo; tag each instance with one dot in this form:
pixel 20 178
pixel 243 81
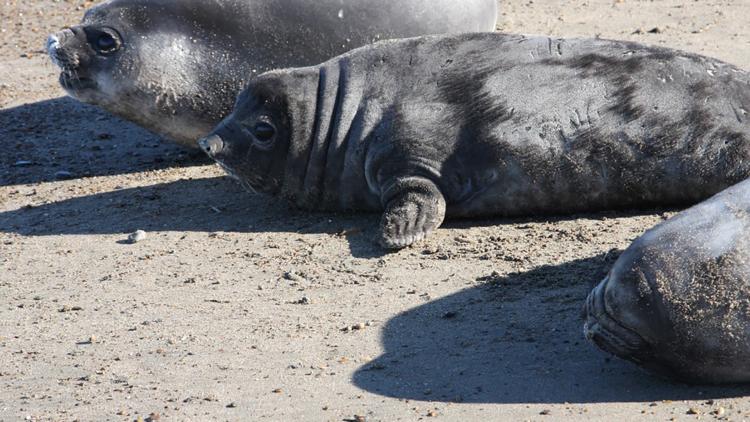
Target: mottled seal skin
pixel 176 66
pixel 678 300
pixel 490 125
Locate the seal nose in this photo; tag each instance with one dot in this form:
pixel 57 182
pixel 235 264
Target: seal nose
pixel 53 42
pixel 211 145
pixel 56 49
pixel 52 47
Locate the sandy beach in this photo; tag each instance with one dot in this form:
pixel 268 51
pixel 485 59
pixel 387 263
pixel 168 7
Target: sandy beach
pixel 238 307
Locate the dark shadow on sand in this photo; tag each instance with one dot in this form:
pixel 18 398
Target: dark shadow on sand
pixel 516 339
pixel 206 205
pixel 216 204
pixel 63 138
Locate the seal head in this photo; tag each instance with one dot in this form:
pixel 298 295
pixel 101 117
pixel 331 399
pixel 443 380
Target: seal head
pixel 158 74
pixel 677 301
pixel 252 143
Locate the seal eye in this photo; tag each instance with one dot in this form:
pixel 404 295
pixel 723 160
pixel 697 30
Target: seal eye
pixel 106 43
pixel 264 132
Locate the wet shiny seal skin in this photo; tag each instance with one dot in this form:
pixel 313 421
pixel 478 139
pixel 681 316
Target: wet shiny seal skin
pixel 677 301
pixel 490 125
pixel 176 66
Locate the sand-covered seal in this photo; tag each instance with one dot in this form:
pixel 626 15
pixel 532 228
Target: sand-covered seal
pixel 176 66
pixel 490 125
pixel 677 301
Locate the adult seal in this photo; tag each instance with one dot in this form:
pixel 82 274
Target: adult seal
pixel 677 301
pixel 490 125
pixel 176 66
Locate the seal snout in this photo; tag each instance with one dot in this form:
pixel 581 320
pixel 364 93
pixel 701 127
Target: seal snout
pixel 211 145
pixel 55 48
pixel 606 332
pixel 53 43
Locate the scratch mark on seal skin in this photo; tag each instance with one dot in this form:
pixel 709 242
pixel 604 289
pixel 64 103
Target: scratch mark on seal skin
pixel 549 46
pixel 576 119
pixel 739 113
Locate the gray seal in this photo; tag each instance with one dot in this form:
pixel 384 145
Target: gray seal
pixel 677 301
pixel 176 66
pixel 490 125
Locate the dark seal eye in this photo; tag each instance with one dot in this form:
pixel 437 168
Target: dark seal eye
pixel 106 43
pixel 264 132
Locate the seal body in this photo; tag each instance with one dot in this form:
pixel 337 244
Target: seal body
pixel 176 66
pixel 491 125
pixel 678 300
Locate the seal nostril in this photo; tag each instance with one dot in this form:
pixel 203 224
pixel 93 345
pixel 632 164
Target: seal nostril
pixel 52 42
pixel 211 145
pixel 204 146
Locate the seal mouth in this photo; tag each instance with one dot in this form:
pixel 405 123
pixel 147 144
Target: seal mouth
pixel 607 333
pixel 76 83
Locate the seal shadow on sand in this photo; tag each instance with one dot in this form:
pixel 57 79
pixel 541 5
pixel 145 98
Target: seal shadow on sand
pixel 217 204
pixel 62 136
pixel 515 339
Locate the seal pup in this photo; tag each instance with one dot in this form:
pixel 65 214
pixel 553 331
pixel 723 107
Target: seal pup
pixel 176 66
pixel 677 301
pixel 490 125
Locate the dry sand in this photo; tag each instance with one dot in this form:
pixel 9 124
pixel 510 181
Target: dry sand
pixel 237 308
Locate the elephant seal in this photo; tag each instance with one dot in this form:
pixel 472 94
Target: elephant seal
pixel 677 301
pixel 490 125
pixel 176 66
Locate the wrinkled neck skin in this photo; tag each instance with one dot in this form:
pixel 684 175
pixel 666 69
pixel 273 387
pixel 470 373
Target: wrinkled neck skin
pixel 331 130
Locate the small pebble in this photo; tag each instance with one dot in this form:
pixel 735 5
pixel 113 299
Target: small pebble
pixel 720 412
pixel 360 418
pixel 693 411
pixel 291 276
pixel 545 412
pixel 232 405
pixel 136 237
pixel 66 308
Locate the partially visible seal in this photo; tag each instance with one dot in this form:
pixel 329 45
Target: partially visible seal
pixel 678 300
pixel 176 66
pixel 490 125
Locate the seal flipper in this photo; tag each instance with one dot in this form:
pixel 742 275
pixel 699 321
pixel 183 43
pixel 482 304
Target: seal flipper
pixel 414 207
